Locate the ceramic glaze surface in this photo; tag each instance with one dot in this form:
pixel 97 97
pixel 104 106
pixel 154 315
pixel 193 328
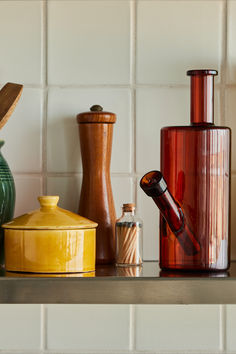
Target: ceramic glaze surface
pixel 54 251
pixel 50 216
pixel 50 240
pixel 11 274
pixel 7 198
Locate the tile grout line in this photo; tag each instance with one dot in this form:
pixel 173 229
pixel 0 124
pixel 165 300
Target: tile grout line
pixel 133 132
pixel 133 29
pixel 133 328
pixel 223 65
pixel 79 174
pixel 108 351
pixel 113 351
pixel 43 320
pixel 118 86
pixel 45 101
pixel 133 82
pixel 222 308
pixel 135 192
pixel 43 144
pixel 115 0
pixel 222 329
pixel 43 44
pixel 133 43
pixel 225 328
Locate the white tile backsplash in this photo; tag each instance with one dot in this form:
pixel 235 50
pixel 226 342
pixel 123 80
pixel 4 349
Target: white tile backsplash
pixel 179 327
pixel 156 108
pixel 231 328
pixel 20 327
pixel 92 327
pixel 23 133
pixel 63 147
pixel 149 213
pixel 20 42
pixel 68 189
pixel 174 36
pixel 231 122
pixel 231 34
pixel 131 57
pixel 88 42
pixel 122 188
pixel 28 188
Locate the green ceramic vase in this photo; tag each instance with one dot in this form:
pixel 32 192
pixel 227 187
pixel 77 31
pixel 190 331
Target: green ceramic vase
pixel 7 198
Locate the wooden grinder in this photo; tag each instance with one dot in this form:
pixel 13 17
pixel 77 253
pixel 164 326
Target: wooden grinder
pixel 96 199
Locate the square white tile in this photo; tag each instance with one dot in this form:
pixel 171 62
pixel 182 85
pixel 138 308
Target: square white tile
pixel 177 327
pixel 20 327
pixel 68 188
pixel 231 35
pixel 63 136
pixel 156 108
pixel 122 188
pixel 28 188
pixel 174 36
pixel 230 328
pixel 23 133
pixel 149 213
pixel 231 122
pixel 88 327
pixel 88 42
pixel 20 41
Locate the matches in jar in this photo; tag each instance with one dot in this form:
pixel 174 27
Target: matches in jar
pixel 129 237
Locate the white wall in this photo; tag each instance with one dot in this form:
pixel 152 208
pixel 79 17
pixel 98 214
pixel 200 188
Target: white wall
pixel 131 57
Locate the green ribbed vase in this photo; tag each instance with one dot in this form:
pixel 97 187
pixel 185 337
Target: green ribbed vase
pixel 7 198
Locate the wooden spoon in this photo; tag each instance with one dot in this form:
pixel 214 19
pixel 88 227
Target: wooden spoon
pixel 9 96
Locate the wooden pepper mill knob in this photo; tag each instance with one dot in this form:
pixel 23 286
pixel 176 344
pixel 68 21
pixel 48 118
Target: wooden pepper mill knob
pixel 96 199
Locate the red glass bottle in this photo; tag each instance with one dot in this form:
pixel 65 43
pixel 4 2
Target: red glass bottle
pixel 192 190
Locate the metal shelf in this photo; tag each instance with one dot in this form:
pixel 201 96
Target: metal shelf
pixel 111 285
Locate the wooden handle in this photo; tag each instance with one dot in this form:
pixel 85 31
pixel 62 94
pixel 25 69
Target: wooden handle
pixel 9 96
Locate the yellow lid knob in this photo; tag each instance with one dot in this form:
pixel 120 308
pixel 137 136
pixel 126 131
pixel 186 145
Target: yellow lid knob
pixel 48 201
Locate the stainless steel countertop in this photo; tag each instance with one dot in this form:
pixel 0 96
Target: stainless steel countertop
pixel 111 285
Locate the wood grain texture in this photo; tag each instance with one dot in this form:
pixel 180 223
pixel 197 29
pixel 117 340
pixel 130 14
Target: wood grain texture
pixel 9 96
pixel 96 199
pixel 96 117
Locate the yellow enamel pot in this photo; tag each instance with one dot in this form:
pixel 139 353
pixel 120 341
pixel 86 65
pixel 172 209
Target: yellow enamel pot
pixel 50 240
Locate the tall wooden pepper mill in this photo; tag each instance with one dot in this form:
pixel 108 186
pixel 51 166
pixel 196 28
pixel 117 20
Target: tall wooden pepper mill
pixel 96 199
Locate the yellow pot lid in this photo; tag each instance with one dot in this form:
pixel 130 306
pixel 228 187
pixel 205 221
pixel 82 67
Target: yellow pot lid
pixel 50 217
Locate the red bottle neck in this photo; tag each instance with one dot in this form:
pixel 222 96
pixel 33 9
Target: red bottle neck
pixel 202 96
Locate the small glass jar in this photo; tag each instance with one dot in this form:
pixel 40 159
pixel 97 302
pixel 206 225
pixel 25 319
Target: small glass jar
pixel 129 238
